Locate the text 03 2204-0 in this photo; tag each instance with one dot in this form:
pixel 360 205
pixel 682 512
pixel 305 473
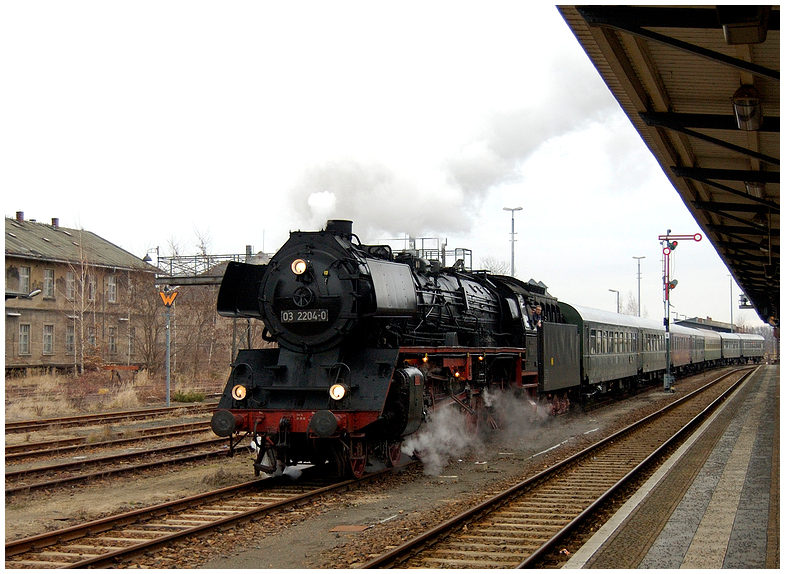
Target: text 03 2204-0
pixel 304 316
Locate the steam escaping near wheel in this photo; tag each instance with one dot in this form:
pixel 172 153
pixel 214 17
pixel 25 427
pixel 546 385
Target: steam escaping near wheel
pixel 441 439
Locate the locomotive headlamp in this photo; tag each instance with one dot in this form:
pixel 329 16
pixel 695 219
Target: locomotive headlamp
pixel 338 392
pixel 239 392
pixel 299 266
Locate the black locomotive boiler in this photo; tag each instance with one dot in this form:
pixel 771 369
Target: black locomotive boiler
pixel 370 343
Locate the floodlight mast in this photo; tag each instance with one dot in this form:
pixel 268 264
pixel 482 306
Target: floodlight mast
pixel 512 211
pixel 669 243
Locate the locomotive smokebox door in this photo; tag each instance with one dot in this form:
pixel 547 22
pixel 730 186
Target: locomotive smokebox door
pixel 559 356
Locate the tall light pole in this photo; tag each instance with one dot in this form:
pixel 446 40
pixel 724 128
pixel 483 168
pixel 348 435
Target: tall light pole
pixel 512 211
pixel 639 281
pixel 617 299
pixel 731 303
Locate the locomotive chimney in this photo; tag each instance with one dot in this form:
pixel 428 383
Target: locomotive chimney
pixel 340 227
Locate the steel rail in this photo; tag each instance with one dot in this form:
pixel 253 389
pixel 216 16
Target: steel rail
pixel 532 560
pixel 76 532
pixel 110 471
pixel 61 446
pixel 406 550
pixel 62 422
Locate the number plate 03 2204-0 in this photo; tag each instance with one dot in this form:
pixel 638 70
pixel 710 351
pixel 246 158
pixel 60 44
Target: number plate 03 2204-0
pixel 304 316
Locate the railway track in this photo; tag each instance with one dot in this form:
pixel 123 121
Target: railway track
pixel 521 525
pixel 104 418
pixel 65 446
pixel 23 480
pixel 111 540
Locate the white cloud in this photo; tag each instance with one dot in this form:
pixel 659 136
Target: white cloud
pixel 246 120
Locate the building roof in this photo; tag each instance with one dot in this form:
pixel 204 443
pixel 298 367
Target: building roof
pixel 43 242
pixel 674 70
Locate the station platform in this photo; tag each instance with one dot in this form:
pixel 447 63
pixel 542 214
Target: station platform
pixel 714 503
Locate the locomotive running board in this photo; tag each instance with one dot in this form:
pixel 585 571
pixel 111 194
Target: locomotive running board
pixel 462 351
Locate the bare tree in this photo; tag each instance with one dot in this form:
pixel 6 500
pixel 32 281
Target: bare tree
pixel 494 266
pixel 147 305
pixel 79 289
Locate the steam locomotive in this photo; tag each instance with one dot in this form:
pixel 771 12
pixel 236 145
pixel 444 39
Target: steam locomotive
pixel 371 343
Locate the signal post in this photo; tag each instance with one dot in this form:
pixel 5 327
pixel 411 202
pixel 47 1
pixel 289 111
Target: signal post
pixel 168 298
pixel 669 243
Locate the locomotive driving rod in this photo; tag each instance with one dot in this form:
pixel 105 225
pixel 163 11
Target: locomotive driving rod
pixel 463 405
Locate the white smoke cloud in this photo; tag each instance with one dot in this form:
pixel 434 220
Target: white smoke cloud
pixel 380 201
pixel 442 437
pixel 322 205
pixel 518 422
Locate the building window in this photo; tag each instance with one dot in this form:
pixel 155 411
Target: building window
pixel 112 340
pixel 70 285
pixel 49 283
pixel 111 289
pixel 70 338
pixel 91 288
pixel 49 340
pixel 91 336
pixel 24 339
pixel 24 280
pixel 132 341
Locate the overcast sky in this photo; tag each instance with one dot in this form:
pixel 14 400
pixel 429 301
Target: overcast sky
pixel 152 123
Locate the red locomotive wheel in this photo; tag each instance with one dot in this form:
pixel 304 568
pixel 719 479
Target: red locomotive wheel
pixel 358 457
pixel 394 454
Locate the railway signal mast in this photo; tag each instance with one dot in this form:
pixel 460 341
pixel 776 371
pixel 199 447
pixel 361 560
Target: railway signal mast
pixel 669 243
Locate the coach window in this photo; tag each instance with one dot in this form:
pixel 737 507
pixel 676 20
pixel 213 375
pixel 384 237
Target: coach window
pixel 593 342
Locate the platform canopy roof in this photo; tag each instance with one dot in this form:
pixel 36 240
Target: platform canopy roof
pixel 701 84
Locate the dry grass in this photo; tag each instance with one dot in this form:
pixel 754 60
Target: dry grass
pixel 52 395
pixel 125 398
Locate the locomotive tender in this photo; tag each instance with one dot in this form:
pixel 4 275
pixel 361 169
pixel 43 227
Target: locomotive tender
pixel 370 343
